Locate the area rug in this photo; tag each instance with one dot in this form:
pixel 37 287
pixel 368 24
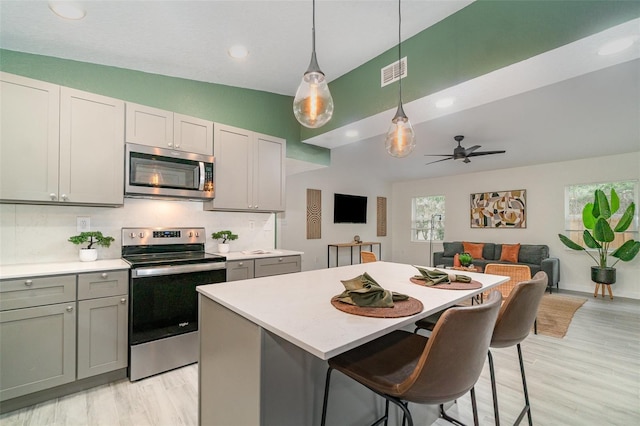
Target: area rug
pixel 556 312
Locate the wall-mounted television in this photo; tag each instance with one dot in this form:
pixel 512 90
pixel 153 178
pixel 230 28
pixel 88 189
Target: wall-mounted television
pixel 349 208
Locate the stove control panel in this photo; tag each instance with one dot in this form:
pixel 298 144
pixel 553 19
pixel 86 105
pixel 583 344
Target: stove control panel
pixel 153 236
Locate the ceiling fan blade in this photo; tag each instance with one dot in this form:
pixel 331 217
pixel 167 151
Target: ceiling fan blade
pixel 437 155
pixel 437 161
pixel 468 151
pixel 475 154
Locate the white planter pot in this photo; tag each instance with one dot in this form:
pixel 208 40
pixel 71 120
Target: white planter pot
pixel 223 248
pixel 88 255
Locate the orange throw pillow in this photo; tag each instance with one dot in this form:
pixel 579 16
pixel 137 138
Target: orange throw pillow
pixel 456 260
pixel 474 249
pixel 510 252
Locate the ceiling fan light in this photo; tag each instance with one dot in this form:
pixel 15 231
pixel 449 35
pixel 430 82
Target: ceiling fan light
pixel 238 51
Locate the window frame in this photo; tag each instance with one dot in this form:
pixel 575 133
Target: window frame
pixel 423 225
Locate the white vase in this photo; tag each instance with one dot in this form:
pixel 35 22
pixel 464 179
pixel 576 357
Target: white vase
pixel 223 248
pixel 88 255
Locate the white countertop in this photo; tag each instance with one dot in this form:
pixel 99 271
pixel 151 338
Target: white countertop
pixel 248 254
pixel 59 268
pixel 297 306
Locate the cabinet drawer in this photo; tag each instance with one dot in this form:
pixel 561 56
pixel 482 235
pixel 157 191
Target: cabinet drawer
pixel 102 284
pixel 276 266
pixel 36 291
pixel 239 270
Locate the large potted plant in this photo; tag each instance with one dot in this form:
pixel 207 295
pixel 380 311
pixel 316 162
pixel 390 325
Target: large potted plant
pixel 224 236
pixel 89 253
pixel 598 235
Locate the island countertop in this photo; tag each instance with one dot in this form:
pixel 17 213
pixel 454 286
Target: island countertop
pixel 297 307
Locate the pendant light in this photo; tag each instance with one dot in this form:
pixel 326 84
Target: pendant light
pixel 313 104
pixel 400 140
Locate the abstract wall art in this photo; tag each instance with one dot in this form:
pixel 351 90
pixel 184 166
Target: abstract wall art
pixel 499 209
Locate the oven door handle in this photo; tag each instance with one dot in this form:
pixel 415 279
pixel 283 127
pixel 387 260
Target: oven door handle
pixel 176 269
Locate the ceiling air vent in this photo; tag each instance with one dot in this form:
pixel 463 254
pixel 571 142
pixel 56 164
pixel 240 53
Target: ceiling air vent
pixel 393 72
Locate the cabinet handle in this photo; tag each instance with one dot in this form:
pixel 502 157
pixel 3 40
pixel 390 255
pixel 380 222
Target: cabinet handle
pixel 241 263
pixel 256 206
pixel 53 196
pixel 64 197
pixel 28 283
pixel 280 259
pixel 69 308
pixel 104 275
pixel 169 144
pixel 123 300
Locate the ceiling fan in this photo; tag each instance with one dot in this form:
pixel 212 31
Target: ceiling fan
pixel 462 152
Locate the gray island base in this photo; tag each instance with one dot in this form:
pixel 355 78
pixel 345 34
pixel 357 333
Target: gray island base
pixel 264 345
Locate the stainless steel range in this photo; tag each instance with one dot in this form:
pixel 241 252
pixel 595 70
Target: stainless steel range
pixel 166 266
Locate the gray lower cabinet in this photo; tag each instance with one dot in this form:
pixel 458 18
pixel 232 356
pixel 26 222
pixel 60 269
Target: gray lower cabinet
pixel 37 348
pixel 239 270
pixel 102 322
pixel 277 266
pixel 54 332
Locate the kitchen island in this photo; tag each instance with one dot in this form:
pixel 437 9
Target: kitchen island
pixel 264 343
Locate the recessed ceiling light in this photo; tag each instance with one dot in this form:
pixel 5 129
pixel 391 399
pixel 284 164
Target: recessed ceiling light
pixel 67 10
pixel 351 133
pixel 616 46
pixel 238 51
pixel 445 103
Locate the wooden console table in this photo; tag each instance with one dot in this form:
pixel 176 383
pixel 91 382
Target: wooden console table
pixel 351 246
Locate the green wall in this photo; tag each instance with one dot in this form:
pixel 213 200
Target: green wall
pixel 482 37
pixel 249 109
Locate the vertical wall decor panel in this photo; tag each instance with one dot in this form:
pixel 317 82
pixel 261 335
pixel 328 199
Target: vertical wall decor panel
pixel 381 206
pixel 314 214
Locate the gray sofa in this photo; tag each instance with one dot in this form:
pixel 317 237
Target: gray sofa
pixel 535 256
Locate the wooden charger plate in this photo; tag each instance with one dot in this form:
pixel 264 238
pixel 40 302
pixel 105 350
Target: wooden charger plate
pixel 402 308
pixel 451 286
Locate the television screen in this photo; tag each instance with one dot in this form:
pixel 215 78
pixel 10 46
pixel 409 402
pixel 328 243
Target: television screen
pixel 349 209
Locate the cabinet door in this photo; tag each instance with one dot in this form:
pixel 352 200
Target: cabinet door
pixel 232 150
pixel 239 270
pixel 102 335
pixel 149 126
pixel 37 349
pixel 29 139
pixel 192 134
pixel 91 148
pixel 269 173
pixel 277 266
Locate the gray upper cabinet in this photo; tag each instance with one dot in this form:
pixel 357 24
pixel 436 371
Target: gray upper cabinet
pixel 91 148
pixel 59 145
pixel 150 126
pixel 29 139
pixel 249 171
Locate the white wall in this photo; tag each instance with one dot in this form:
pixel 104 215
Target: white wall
pixel 545 214
pixel 344 176
pixel 31 233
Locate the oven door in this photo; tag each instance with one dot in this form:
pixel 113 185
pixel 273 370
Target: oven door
pixel 152 171
pixel 164 301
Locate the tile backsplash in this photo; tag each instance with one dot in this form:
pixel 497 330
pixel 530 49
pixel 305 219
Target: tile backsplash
pixel 34 233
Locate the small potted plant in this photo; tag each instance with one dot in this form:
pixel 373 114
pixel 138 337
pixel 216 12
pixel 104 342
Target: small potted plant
pixel 465 259
pixel 89 253
pixel 224 236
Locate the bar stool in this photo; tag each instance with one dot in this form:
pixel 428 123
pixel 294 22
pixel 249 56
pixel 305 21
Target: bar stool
pixel 514 323
pixel 404 367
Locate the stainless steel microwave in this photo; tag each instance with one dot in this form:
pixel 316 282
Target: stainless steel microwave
pixel 153 172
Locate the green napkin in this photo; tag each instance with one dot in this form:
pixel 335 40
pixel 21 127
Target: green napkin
pixel 363 290
pixel 433 277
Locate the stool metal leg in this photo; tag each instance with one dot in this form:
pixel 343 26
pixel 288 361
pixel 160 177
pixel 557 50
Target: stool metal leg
pixel 494 392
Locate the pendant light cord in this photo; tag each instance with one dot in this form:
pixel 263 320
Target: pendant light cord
pixel 313 28
pixel 399 48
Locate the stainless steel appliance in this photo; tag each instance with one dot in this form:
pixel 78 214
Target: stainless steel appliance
pixel 152 172
pixel 166 266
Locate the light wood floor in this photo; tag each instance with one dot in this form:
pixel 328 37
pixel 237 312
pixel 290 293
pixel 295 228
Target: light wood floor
pixel 591 377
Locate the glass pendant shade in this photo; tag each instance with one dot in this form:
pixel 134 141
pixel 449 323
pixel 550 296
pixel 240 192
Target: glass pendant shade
pixel 400 140
pixel 313 104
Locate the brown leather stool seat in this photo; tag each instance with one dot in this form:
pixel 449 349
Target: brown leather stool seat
pixel 405 367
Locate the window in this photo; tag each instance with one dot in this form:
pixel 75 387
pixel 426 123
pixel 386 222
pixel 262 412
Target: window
pixel 576 196
pixel 427 218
